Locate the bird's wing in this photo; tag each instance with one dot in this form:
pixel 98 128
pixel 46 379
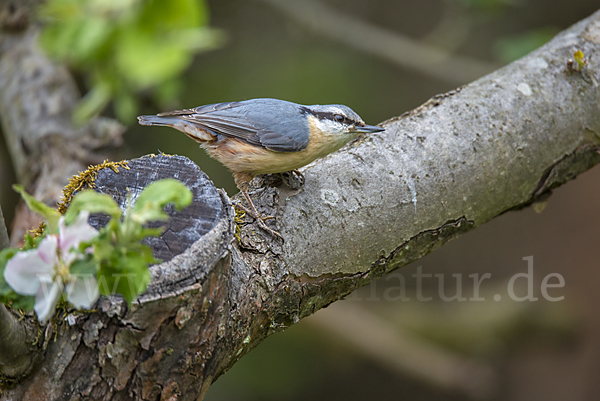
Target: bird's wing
pixel 259 122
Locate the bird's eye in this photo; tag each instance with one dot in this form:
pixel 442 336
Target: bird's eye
pixel 339 118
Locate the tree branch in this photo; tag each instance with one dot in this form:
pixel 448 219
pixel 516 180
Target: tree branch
pixel 4 240
pixel 498 144
pixel 407 353
pixel 385 44
pixel 36 104
pixel 15 357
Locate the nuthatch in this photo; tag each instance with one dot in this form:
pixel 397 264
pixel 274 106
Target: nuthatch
pixel 264 136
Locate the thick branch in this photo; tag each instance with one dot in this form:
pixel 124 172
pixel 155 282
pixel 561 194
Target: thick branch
pixel 14 351
pixel 36 103
pixel 498 144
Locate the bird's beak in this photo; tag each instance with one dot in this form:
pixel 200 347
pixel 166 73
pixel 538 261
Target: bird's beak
pixel 368 129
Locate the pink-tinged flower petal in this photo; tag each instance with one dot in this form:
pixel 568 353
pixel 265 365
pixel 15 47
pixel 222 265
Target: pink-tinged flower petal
pixel 82 292
pixel 76 232
pixel 47 250
pixel 46 299
pixel 24 270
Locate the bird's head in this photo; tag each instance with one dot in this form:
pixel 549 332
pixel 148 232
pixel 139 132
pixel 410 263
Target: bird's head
pixel 339 120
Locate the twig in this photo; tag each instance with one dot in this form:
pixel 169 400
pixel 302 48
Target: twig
pixel 4 240
pixel 391 46
pixel 404 353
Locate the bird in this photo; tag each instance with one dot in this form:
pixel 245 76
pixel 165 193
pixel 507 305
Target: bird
pixel 264 136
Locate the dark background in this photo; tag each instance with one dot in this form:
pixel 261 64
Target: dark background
pixel 537 350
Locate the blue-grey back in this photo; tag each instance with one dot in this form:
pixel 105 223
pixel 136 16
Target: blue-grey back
pixel 275 124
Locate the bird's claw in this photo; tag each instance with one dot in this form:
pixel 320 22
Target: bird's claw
pixel 262 225
pixel 260 220
pixel 293 179
pixel 254 215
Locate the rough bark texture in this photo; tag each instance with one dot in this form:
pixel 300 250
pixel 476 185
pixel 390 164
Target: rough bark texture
pixel 498 144
pixel 36 103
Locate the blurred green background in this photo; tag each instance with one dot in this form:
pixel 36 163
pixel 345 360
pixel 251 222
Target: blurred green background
pixel 493 350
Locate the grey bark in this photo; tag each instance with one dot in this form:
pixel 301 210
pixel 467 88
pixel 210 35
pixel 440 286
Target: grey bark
pixel 498 144
pixel 37 97
pixel 36 103
pixel 16 355
pixel 4 240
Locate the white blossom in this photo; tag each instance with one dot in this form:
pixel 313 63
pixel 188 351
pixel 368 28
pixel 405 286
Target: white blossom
pixel 44 271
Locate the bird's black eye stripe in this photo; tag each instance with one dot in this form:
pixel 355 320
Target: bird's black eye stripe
pixel 326 115
pixel 340 119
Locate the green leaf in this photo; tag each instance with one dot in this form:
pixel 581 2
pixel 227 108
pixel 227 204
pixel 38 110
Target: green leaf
pixel 51 215
pixel 93 202
pixel 151 232
pixel 145 60
pixel 91 36
pixel 140 44
pixel 85 266
pixel 127 275
pixel 31 242
pixel 92 103
pixel 146 252
pixel 79 40
pixel 198 39
pixel 25 302
pixel 160 15
pixel 150 203
pixel 103 248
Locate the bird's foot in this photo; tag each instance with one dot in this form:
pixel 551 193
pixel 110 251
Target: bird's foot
pixel 256 215
pixel 260 220
pixel 293 179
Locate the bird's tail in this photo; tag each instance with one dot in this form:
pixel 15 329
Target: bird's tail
pixel 194 131
pixel 156 120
